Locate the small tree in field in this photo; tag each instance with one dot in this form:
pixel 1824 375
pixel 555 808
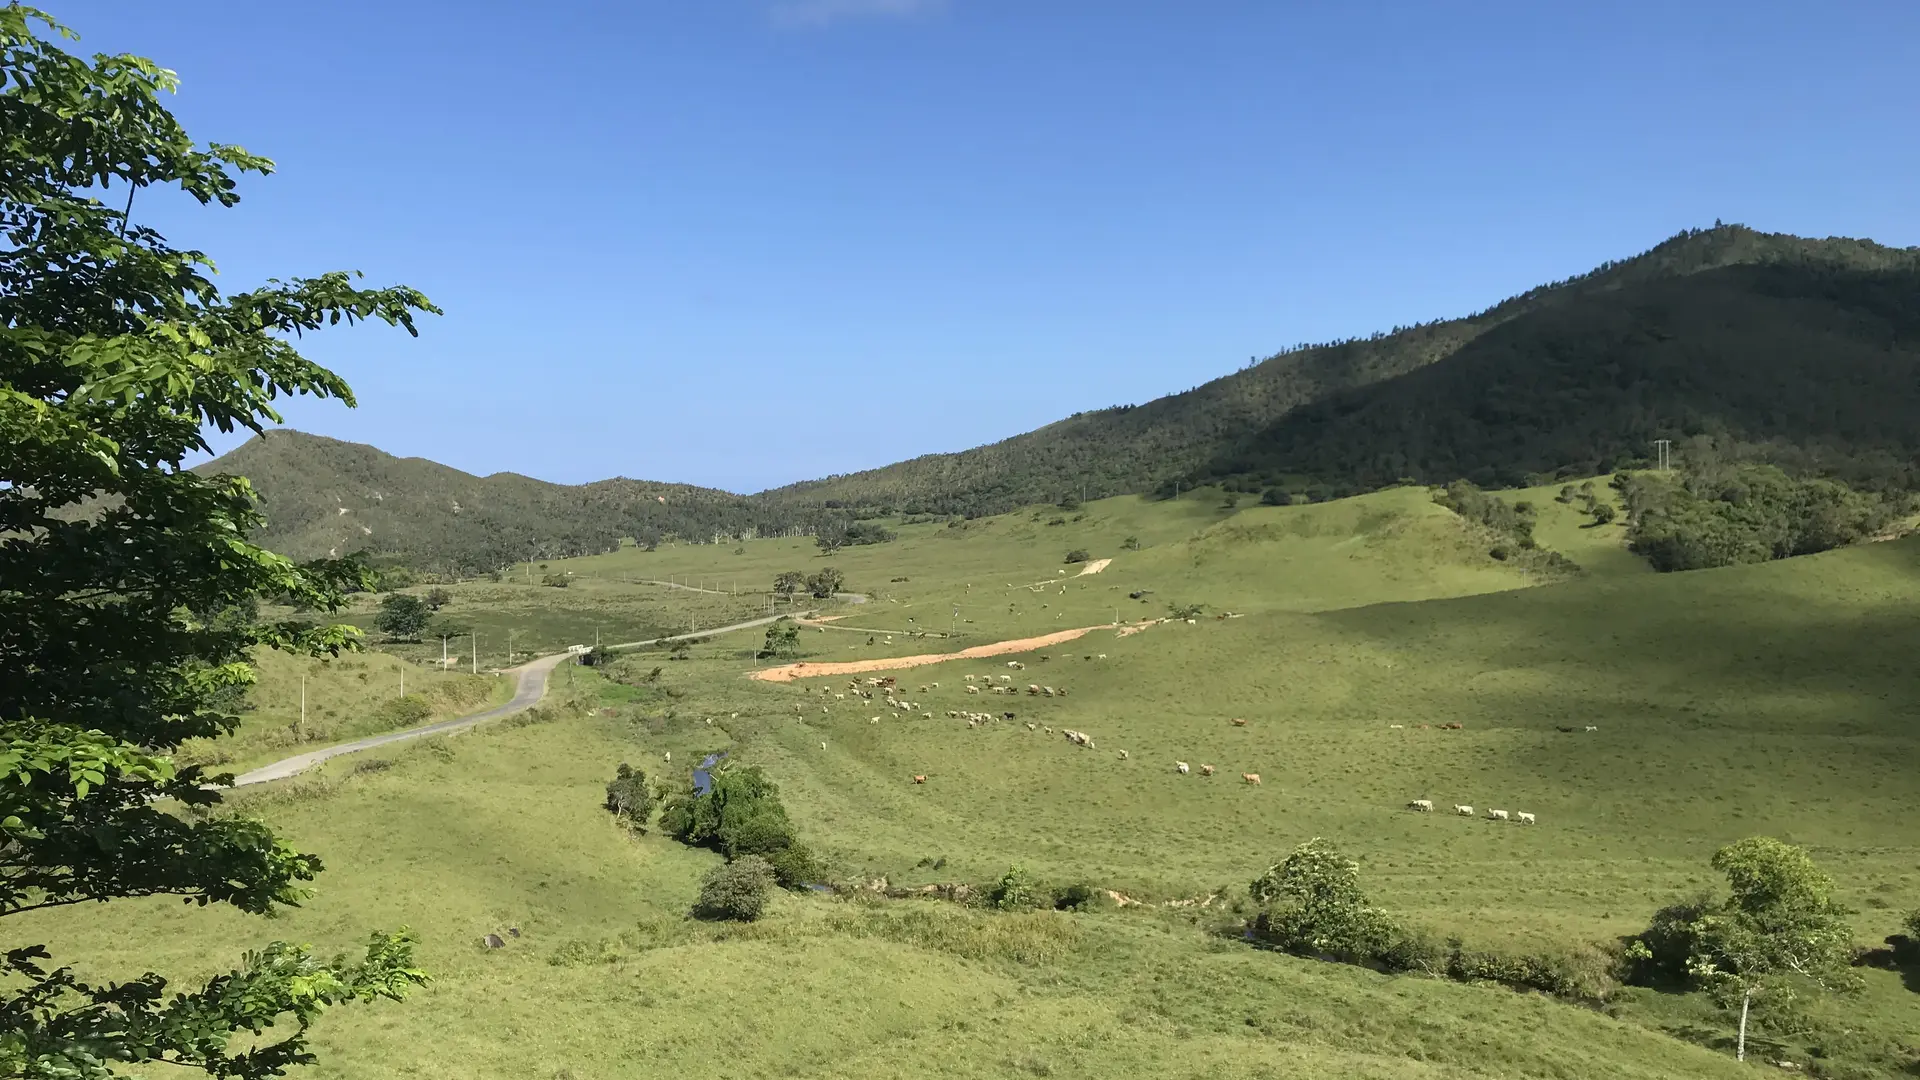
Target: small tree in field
pixel 117 352
pixel 628 799
pixel 790 582
pixel 737 890
pixel 1778 932
pixel 825 583
pixel 402 617
pixel 831 537
pixel 783 639
pixel 1311 902
pixel 438 598
pixel 1078 555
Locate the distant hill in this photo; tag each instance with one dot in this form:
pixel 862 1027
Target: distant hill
pixel 322 496
pixel 1716 330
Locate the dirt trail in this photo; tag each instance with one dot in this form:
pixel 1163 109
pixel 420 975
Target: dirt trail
pixel 804 670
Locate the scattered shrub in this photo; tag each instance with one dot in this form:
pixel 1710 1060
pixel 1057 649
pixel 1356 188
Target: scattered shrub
pixel 1276 497
pixel 1015 891
pixel 794 866
pixel 1078 555
pixel 406 711
pixel 741 814
pixel 1074 898
pixel 736 891
pixel 1312 904
pixel 1131 543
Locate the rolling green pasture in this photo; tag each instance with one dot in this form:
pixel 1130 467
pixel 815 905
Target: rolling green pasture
pixel 1777 699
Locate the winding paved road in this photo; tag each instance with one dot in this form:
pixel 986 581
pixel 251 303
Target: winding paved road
pixel 532 687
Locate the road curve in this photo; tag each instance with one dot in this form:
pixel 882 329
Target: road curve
pixel 532 687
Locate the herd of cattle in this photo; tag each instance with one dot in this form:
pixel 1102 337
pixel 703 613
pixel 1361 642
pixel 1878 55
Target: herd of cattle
pixel 1425 806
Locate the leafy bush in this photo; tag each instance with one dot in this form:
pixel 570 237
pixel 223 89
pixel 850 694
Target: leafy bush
pixel 735 891
pixel 825 582
pixel 1131 543
pixel 1078 555
pixel 1015 891
pixel 783 639
pixel 405 711
pixel 1311 903
pixel 794 866
pixel 1074 898
pixel 402 616
pixel 1276 497
pixel 1658 955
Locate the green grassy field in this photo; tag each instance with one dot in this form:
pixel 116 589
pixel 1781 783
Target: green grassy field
pixel 1773 699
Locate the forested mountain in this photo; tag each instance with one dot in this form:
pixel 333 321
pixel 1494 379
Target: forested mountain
pixel 1804 353
pixel 1723 329
pixel 322 496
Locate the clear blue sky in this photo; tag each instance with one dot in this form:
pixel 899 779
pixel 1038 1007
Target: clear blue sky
pixel 745 242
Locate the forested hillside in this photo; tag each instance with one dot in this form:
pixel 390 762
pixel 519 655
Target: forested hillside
pixel 1766 336
pixel 322 496
pixel 1812 363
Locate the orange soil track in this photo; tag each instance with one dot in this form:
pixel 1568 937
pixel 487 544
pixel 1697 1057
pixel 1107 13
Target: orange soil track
pixel 804 670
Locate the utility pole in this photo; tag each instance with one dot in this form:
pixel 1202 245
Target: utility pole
pixel 403 678
pixel 1664 446
pixel 476 653
pixel 443 652
pixel 303 706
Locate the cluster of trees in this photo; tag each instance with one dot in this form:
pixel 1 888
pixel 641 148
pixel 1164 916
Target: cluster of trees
pixel 741 814
pixel 1776 936
pixel 783 640
pixel 1722 515
pixel 1510 523
pixel 833 535
pixel 125 630
pixel 820 584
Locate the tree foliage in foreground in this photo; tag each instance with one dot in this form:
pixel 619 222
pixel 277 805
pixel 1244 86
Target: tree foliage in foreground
pixel 119 570
pixel 1778 934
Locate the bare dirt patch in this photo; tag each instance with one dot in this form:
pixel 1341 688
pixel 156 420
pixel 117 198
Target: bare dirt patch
pixel 804 670
pixel 1093 567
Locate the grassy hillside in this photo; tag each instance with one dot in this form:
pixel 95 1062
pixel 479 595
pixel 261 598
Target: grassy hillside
pixel 1760 699
pixel 322 496
pixel 1613 347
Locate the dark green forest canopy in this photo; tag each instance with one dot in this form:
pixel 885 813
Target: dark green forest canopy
pixel 1810 364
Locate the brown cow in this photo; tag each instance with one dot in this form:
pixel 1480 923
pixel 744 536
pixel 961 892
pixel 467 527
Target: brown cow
pixel 1237 722
pixel 1250 777
pixel 919 779
pixel 1206 770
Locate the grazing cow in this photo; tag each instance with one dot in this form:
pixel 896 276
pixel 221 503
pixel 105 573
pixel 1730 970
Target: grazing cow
pixel 1591 727
pixel 1062 692
pixel 1006 678
pixel 1047 730
pixel 969 678
pixel 1206 770
pixel 1032 690
pixel 1237 722
pixel 924 688
pixel 1016 665
pixel 1008 716
pixel 1463 811
pixel 1396 727
pixel 1523 817
pixel 1453 725
pixel 1496 815
pixel 1250 777
pixel 919 779
pixel 973 689
pixel 1103 656
pixel 1424 806
pixel 1123 755
pixel 875 720
pixel 973 723
pixel 823 746
pixel 493 941
pixel 1046 691
pixel 669 757
pixel 1031 726
pixel 1181 768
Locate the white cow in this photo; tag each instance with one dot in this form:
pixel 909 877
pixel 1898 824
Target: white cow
pixel 1463 811
pixel 1496 815
pixel 1425 806
pixel 1524 817
pixel 1123 755
pixel 823 746
pixel 1182 768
